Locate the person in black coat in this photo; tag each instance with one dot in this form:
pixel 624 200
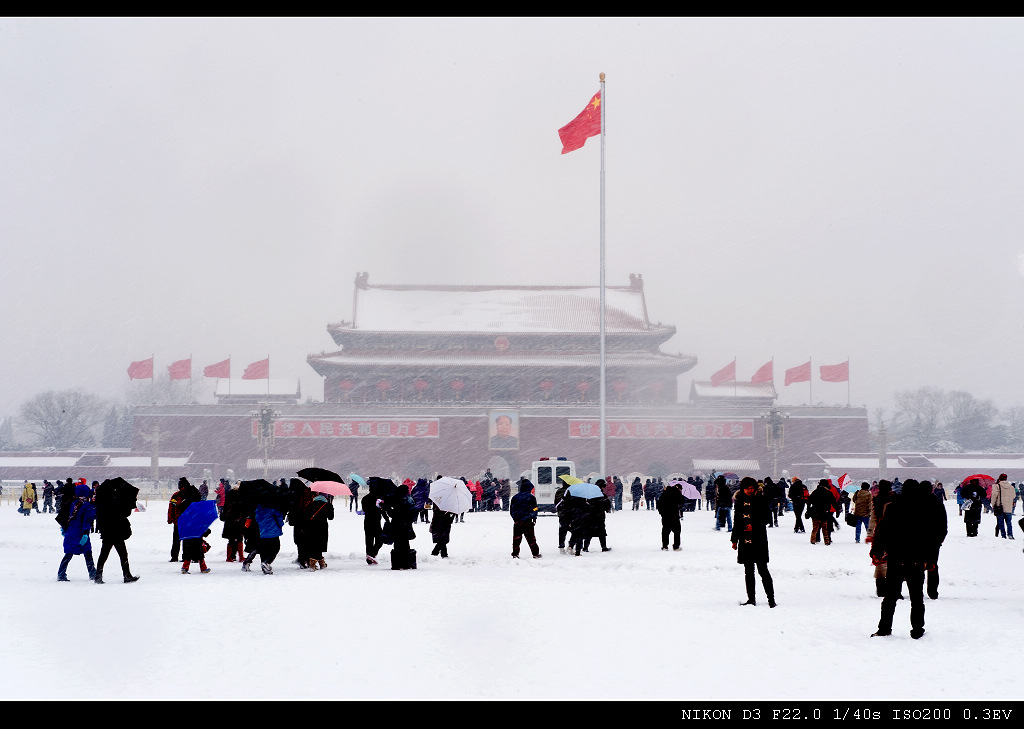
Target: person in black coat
pixel 441 531
pixel 750 538
pixel 523 510
pixel 317 512
pixel 669 506
pixel 233 515
pixel 820 507
pixel 907 538
pixel 798 495
pixel 975 493
pixel 113 506
pixel 400 514
pixel 636 490
pixel 594 512
pixel 372 516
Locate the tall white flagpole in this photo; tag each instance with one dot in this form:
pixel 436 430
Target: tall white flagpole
pixel 603 459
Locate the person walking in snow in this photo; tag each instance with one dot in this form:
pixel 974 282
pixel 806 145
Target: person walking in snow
pixel 81 514
pixel 372 516
pixel 798 495
pixel 1003 498
pixel 233 514
pixel 973 495
pixel 523 510
pixel 113 507
pixel 636 491
pixel 820 507
pixel 319 510
pixel 723 503
pixel 593 520
pixel 179 501
pixel 750 538
pixel 669 506
pixel 441 531
pixel 862 509
pixel 907 538
pixel 28 498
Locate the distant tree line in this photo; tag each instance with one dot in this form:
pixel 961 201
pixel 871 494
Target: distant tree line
pixel 953 421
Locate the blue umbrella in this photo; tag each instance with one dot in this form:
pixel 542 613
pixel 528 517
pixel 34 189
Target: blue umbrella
pixel 357 478
pixel 196 519
pixel 585 490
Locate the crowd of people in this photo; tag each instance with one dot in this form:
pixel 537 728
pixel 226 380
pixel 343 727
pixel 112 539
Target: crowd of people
pixel 905 523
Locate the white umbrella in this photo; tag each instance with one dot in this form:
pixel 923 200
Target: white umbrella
pixel 450 494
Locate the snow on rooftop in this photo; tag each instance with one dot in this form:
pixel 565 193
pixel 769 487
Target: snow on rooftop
pixel 499 310
pixel 257 387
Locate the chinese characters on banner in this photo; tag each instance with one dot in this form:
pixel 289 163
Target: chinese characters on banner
pixel 663 428
pixel 354 428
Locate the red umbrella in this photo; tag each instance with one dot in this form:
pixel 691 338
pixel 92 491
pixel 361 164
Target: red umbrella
pixel 983 480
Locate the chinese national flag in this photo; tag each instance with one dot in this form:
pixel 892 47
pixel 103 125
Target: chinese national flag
pixel 221 369
pixel 801 373
pixel 587 124
pixel 181 370
pixel 141 370
pixel 766 373
pixel 836 373
pixel 726 374
pixel 258 370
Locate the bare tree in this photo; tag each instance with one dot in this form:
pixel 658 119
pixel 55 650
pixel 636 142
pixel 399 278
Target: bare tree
pixel 62 419
pixel 932 418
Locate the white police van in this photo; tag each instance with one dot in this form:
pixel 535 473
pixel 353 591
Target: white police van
pixel 546 476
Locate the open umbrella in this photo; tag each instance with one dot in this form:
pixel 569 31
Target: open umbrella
pixel 196 519
pixel 585 490
pixel 689 490
pixel 124 494
pixel 357 478
pixel 570 480
pixel 450 494
pixel 260 492
pixel 335 488
pixel 319 474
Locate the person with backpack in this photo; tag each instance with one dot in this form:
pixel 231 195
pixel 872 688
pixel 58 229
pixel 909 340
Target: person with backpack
pixel 669 506
pixel 76 529
pixel 798 495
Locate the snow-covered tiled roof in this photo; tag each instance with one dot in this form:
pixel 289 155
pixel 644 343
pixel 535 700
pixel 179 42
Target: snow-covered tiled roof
pixel 725 465
pixel 730 390
pixel 498 309
pixel 240 387
pixel 455 358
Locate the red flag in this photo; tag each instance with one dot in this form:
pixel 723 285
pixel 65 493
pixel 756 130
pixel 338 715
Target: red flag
pixel 836 373
pixel 587 124
pixel 181 370
pixel 726 374
pixel 221 369
pixel 801 373
pixel 766 373
pixel 141 370
pixel 258 370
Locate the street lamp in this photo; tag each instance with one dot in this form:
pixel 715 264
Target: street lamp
pixel 265 418
pixel 774 433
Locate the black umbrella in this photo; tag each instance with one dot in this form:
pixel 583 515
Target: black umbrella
pixel 260 492
pixel 319 474
pixel 123 492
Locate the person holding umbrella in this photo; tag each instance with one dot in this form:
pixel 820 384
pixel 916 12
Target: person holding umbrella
pixel 973 494
pixel 450 497
pixel 523 510
pixel 750 538
pixel 317 513
pixel 115 500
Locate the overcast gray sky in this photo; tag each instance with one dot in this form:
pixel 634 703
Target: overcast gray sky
pixel 789 188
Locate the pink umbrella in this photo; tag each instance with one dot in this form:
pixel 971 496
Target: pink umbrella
pixel 330 487
pixel 689 490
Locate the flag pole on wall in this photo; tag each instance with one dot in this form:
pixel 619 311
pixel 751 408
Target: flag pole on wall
pixel 603 457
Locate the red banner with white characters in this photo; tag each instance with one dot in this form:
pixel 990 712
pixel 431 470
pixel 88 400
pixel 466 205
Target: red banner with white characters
pixel 354 428
pixel 663 428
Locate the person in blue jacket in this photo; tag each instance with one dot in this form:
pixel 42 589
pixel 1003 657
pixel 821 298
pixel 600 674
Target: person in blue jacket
pixel 76 532
pixel 523 510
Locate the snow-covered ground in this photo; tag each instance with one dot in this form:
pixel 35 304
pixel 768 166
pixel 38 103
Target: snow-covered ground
pixel 633 623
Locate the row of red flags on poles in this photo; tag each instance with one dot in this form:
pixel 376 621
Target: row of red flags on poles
pixel 182 370
pixel 800 373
